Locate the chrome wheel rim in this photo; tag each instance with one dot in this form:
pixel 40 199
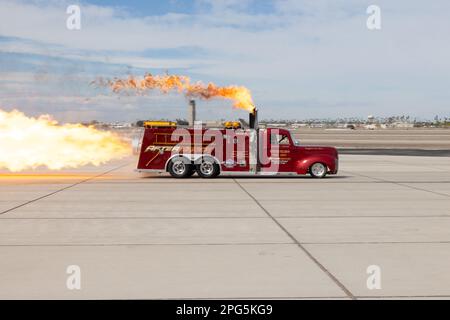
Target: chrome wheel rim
pixel 206 168
pixel 318 169
pixel 179 167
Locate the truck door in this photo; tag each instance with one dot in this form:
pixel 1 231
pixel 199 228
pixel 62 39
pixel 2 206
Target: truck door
pixel 278 147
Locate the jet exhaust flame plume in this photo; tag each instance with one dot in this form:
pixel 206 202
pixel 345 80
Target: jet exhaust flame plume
pixel 241 96
pixel 27 143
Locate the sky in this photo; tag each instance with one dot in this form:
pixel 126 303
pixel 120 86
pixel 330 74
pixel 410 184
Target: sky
pixel 300 58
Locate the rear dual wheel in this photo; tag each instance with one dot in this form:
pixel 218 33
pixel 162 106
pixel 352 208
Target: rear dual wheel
pixel 183 168
pixel 180 168
pixel 207 168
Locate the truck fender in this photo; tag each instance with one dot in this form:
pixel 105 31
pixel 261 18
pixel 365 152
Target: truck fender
pixel 197 159
pixel 191 158
pixel 186 160
pixel 303 165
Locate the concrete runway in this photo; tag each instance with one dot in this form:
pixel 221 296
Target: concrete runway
pixel 151 236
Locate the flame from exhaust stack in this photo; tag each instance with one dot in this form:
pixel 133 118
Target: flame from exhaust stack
pixel 240 95
pixel 27 143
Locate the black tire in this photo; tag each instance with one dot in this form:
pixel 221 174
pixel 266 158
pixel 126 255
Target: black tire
pixel 180 168
pixel 318 170
pixel 207 168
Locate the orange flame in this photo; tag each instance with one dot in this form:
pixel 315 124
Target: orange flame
pixel 240 95
pixel 27 143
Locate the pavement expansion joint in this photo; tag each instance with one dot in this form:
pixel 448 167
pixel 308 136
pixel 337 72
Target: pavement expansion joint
pixel 314 259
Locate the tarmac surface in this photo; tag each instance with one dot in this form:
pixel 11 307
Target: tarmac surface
pixel 151 236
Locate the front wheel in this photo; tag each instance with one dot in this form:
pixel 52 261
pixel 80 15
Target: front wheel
pixel 208 168
pixel 318 170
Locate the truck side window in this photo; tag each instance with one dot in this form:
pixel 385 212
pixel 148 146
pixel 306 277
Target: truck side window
pixel 279 139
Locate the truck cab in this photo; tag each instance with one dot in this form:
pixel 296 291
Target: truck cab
pixel 294 158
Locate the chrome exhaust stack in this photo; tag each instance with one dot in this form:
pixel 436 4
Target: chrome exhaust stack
pixel 253 119
pixel 191 113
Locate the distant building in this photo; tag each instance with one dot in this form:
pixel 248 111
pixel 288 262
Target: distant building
pixel 277 124
pixel 404 125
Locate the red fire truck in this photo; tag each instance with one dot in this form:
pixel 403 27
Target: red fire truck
pixel 232 150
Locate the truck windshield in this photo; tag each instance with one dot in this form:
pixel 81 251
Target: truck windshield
pixel 295 141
